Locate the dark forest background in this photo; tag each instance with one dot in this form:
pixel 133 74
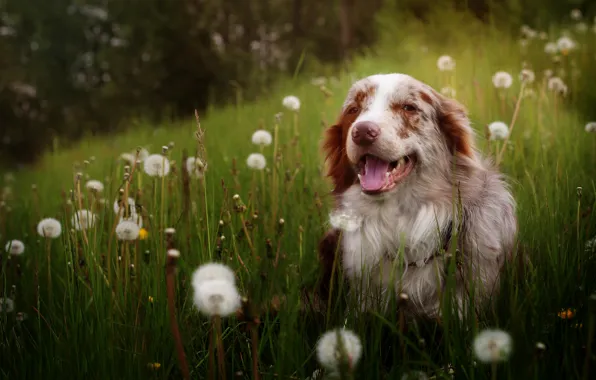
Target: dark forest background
pixel 70 68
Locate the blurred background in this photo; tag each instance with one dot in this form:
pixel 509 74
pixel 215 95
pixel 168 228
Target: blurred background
pixel 70 69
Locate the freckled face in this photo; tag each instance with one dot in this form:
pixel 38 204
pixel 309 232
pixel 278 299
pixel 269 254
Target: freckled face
pixel 390 116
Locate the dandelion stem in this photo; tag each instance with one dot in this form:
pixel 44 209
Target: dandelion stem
pixel 274 176
pixel 212 352
pixel 254 337
pixel 170 274
pixel 220 347
pixel 493 371
pixel 513 119
pixel 48 249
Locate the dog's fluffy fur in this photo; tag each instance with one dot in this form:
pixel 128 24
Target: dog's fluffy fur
pixel 450 192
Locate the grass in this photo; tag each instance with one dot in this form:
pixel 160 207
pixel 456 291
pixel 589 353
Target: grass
pixel 81 326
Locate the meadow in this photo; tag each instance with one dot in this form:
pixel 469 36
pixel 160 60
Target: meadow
pixel 93 304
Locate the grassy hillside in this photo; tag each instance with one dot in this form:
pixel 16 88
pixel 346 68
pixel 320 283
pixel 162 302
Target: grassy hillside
pixel 90 315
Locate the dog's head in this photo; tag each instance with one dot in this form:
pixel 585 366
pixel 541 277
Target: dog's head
pixel 393 127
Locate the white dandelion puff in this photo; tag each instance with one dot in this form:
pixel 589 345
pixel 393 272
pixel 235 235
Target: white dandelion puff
pixel 498 130
pixel 591 126
pixel 119 205
pixel 216 298
pixel 543 35
pixel 448 91
pixel 262 138
pixel 173 253
pixel 133 217
pixel 128 157
pixel 329 349
pixel 212 271
pixel 548 73
pixel 291 102
pixel 446 63
pixel 345 219
pixel 551 48
pixel 557 85
pixel 6 305
pixel 83 219
pixel 94 185
pixel 502 79
pixel 565 44
pixel 576 14
pixel 256 161
pixel 143 154
pixel 527 76
pixel 49 228
pixel 493 346
pixel 127 230
pixel 15 247
pixel 157 165
pixel 195 167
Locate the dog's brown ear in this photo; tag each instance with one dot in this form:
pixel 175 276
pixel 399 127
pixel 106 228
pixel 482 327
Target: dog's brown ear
pixel 455 126
pixel 338 164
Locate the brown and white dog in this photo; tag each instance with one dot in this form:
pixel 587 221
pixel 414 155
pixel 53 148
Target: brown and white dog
pixel 404 166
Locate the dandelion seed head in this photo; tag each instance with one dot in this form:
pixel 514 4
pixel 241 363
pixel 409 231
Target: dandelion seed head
pixel 173 253
pixel 49 228
pixel 127 230
pixel 216 297
pixel 551 48
pixel 15 247
pixel 591 126
pixel 156 165
pixel 557 85
pixel 565 44
pixel 328 348
pixel 83 219
pixel 170 231
pixel 498 130
pixel 502 79
pixel 6 305
pixel 256 161
pixel 195 167
pixel 493 346
pixel 262 138
pixel 446 63
pixel 119 206
pixel 94 185
pixel 212 271
pixel 291 102
pixel 527 75
pixel 576 14
pixel 128 157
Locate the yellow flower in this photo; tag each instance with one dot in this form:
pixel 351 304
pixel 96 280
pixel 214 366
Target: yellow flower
pixel 154 366
pixel 150 299
pixel 143 234
pixel 566 314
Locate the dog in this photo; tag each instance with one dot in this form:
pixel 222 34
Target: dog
pixel 411 183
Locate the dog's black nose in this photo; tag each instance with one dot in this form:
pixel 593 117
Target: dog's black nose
pixel 364 133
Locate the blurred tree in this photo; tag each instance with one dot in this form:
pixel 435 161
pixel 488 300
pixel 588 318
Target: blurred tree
pixel 74 67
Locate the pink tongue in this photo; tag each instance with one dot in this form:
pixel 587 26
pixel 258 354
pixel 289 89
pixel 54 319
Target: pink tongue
pixel 374 175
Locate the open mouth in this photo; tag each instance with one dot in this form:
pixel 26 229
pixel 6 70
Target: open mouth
pixel 378 176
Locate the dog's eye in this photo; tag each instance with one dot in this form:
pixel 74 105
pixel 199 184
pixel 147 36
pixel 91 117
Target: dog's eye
pixel 353 110
pixel 408 108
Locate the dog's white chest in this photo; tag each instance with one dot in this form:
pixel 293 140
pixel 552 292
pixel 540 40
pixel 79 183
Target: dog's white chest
pixel 391 232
